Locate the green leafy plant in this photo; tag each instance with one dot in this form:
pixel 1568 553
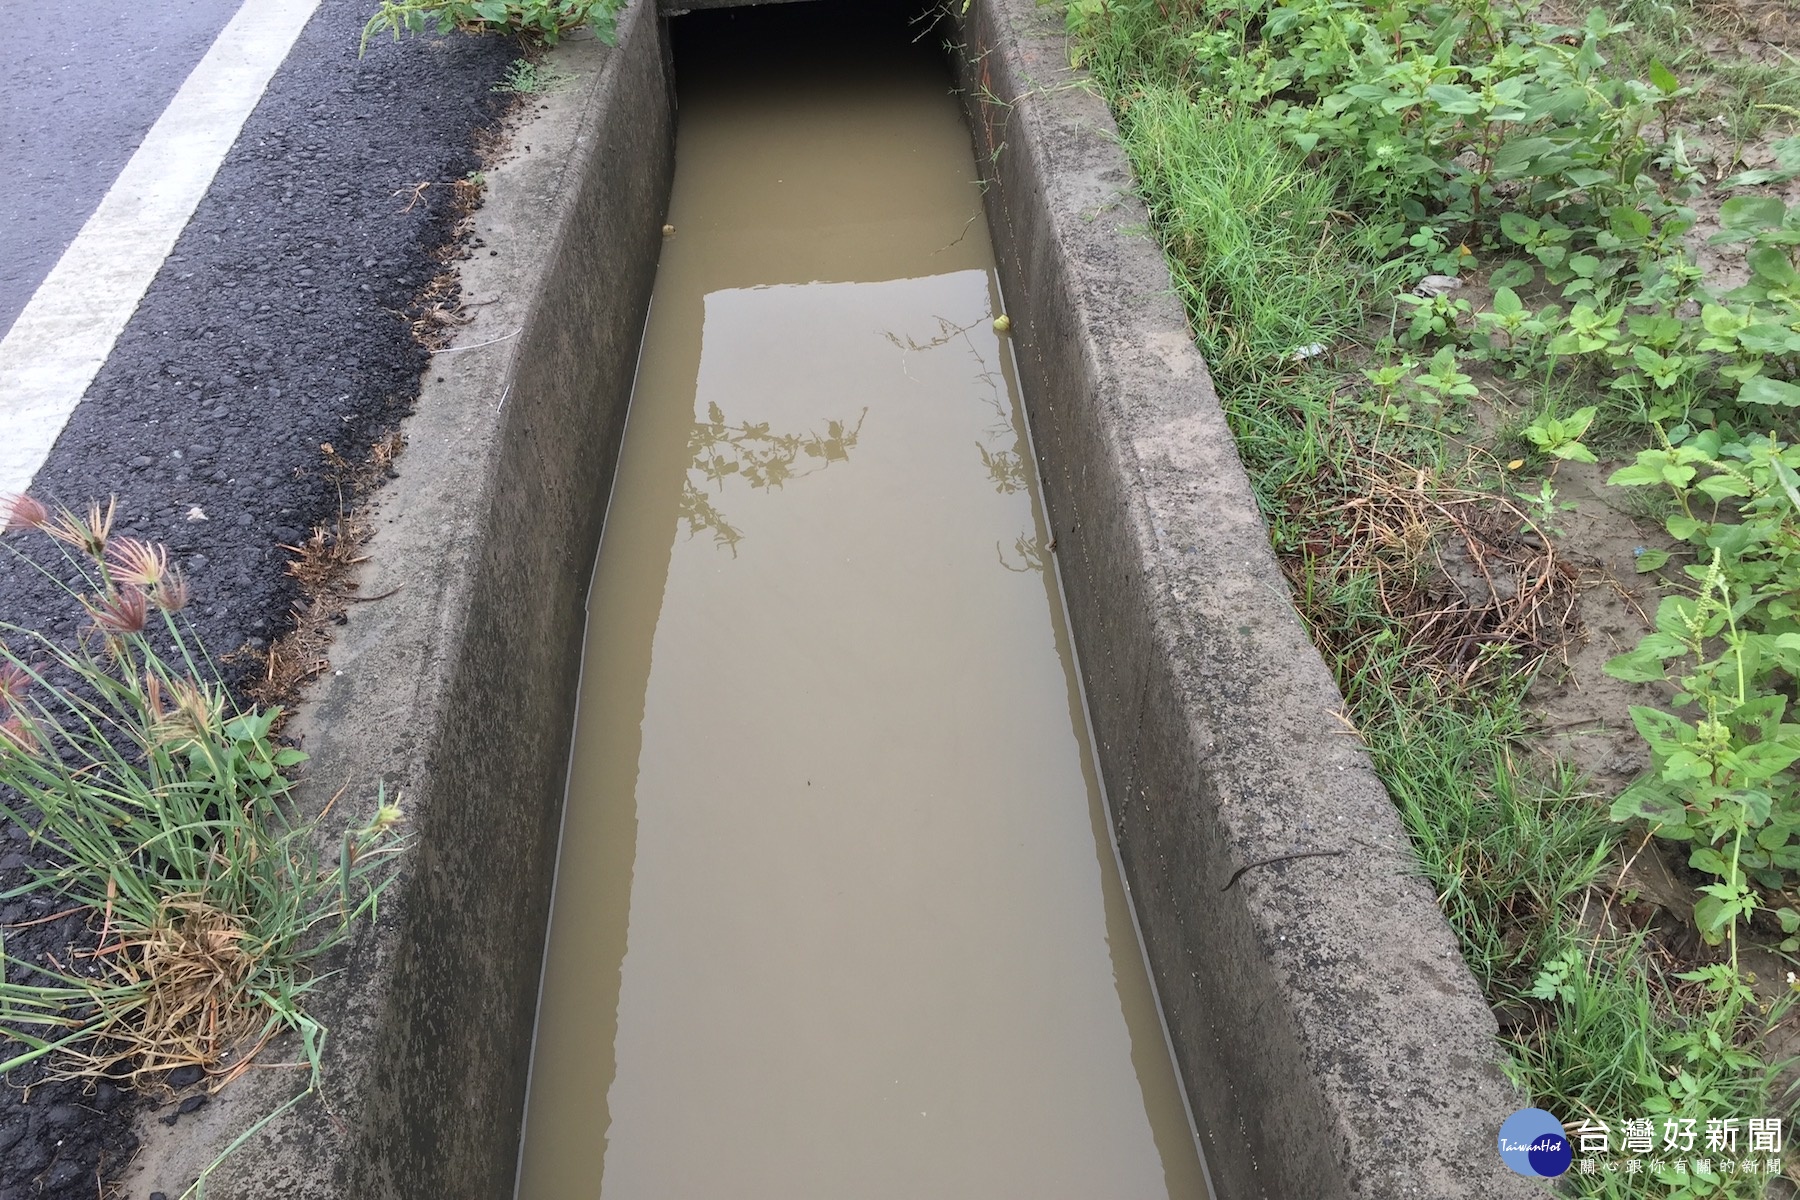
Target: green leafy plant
pixel 1561 436
pixel 1555 981
pixel 1445 382
pixel 1448 137
pixel 1738 497
pixel 1385 404
pixel 526 77
pixel 1517 326
pixel 1588 330
pixel 1545 507
pixel 1435 317
pixel 545 20
pixel 163 809
pixel 1721 780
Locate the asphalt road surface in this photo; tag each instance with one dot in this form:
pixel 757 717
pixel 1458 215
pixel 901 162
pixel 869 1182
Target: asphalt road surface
pixel 276 324
pixel 78 97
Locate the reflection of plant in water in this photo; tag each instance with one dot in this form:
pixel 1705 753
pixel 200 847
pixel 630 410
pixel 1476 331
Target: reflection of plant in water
pixel 752 453
pixel 1030 551
pixel 1004 467
pixel 1001 455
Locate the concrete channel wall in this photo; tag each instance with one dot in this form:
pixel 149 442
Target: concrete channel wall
pixel 1330 1039
pixel 459 688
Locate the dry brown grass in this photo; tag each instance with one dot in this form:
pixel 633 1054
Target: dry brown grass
pixel 325 562
pixel 170 996
pixel 437 311
pixel 194 967
pixel 1463 572
pixel 324 565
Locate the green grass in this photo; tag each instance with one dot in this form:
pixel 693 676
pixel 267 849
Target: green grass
pixel 1507 849
pixel 546 21
pixel 164 810
pixel 1251 230
pixel 1266 251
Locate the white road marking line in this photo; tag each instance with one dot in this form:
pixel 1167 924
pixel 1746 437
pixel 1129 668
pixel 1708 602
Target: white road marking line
pixel 65 333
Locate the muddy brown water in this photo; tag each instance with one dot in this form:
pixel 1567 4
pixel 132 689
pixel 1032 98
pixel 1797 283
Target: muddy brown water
pixel 836 914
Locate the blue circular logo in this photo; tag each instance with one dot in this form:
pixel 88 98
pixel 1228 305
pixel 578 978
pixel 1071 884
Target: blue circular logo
pixel 1532 1142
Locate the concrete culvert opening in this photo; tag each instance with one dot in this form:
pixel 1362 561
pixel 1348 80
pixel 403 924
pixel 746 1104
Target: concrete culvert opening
pixel 1324 1033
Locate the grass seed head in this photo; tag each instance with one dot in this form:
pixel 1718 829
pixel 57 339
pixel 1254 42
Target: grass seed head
pixel 14 679
pixel 171 594
pixel 22 513
pixel 137 562
pixel 146 565
pixel 194 711
pixel 16 733
pixel 87 534
pixel 386 817
pixel 124 611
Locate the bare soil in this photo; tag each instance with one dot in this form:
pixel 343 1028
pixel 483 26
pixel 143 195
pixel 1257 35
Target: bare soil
pixel 1584 713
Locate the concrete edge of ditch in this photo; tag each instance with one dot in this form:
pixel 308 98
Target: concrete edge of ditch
pixel 458 689
pixel 1331 1039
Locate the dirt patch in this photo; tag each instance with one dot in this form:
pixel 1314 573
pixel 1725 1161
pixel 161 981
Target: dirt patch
pixel 1717 155
pixel 1768 22
pixel 1584 713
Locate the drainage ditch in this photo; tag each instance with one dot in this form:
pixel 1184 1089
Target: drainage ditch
pixel 1325 1034
pixel 836 912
